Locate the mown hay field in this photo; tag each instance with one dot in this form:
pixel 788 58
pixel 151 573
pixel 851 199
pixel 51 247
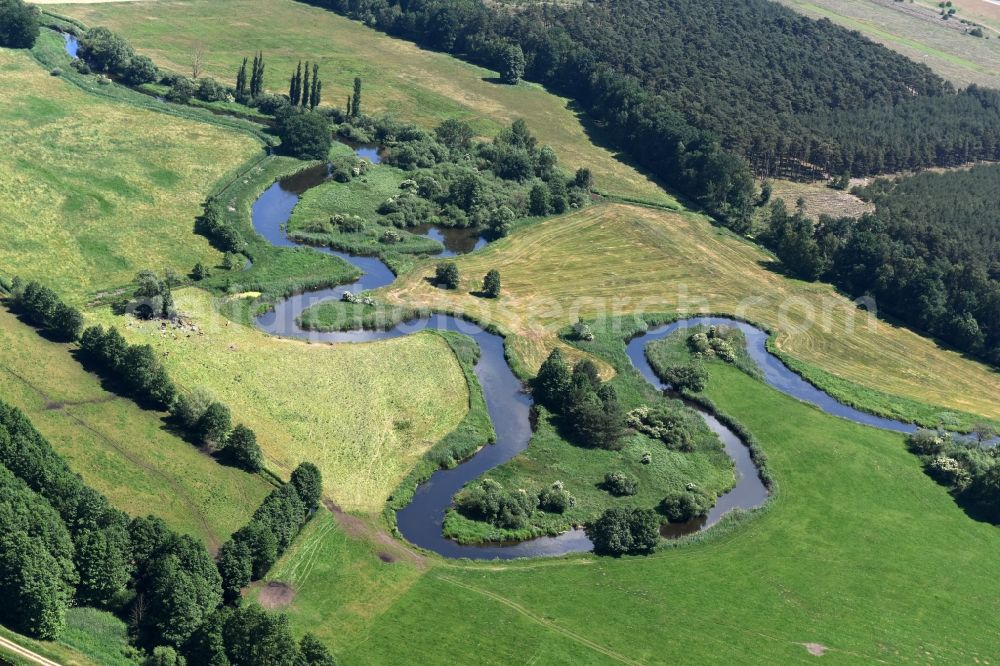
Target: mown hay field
pixel 918 33
pixel 612 259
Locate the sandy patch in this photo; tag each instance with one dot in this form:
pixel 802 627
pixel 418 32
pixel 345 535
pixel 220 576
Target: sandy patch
pixel 815 649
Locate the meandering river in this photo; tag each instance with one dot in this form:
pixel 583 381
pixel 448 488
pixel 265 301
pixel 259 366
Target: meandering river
pixel 508 405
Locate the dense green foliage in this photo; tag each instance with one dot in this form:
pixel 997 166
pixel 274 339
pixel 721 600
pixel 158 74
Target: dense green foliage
pixel 491 502
pixel 166 583
pixel 622 531
pixel 137 367
pixel 491 284
pixel 42 307
pixel 757 79
pixel 254 549
pixel 969 470
pixel 104 51
pixel 18 24
pixel 446 275
pixel 306 136
pixel 619 484
pixel 591 413
pixel 685 505
pixel 687 377
pixel 928 255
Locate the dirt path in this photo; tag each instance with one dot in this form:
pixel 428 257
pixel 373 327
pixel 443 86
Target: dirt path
pixel 25 653
pixel 548 624
pixel 363 529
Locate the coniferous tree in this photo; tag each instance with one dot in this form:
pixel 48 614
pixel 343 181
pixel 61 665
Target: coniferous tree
pixel 314 91
pixel 257 79
pixel 347 106
pixel 241 78
pixel 305 90
pixel 356 98
pixel 295 86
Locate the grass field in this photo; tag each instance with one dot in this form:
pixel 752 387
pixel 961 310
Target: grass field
pixel 612 259
pixel 917 32
pixel 93 191
pixel 820 199
pixel 399 78
pixel 119 449
pixel 363 413
pixel 859 554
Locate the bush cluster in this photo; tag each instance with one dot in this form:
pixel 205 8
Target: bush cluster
pixel 489 501
pixel 105 51
pixel 592 415
pixel 714 342
pixel 685 505
pixel 970 470
pixel 620 484
pixel 624 531
pixel 671 426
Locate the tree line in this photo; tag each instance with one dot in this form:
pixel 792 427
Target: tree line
pixel 43 308
pixel 929 254
pixel 62 543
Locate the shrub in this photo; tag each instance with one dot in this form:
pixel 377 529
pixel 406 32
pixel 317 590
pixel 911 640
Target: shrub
pixel 927 442
pixel 555 499
pixel 686 505
pixel 181 91
pixel 690 377
pixel 138 70
pixel 488 501
pixel 668 426
pixel 446 275
pixel 306 136
pixel 581 331
pixel 949 472
pixel 491 284
pixel 620 484
pixel 622 531
pixel 18 24
pixel 210 90
pixel 56 71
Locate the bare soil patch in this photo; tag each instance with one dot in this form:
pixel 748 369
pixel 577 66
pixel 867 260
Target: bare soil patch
pixel 275 595
pixel 815 649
